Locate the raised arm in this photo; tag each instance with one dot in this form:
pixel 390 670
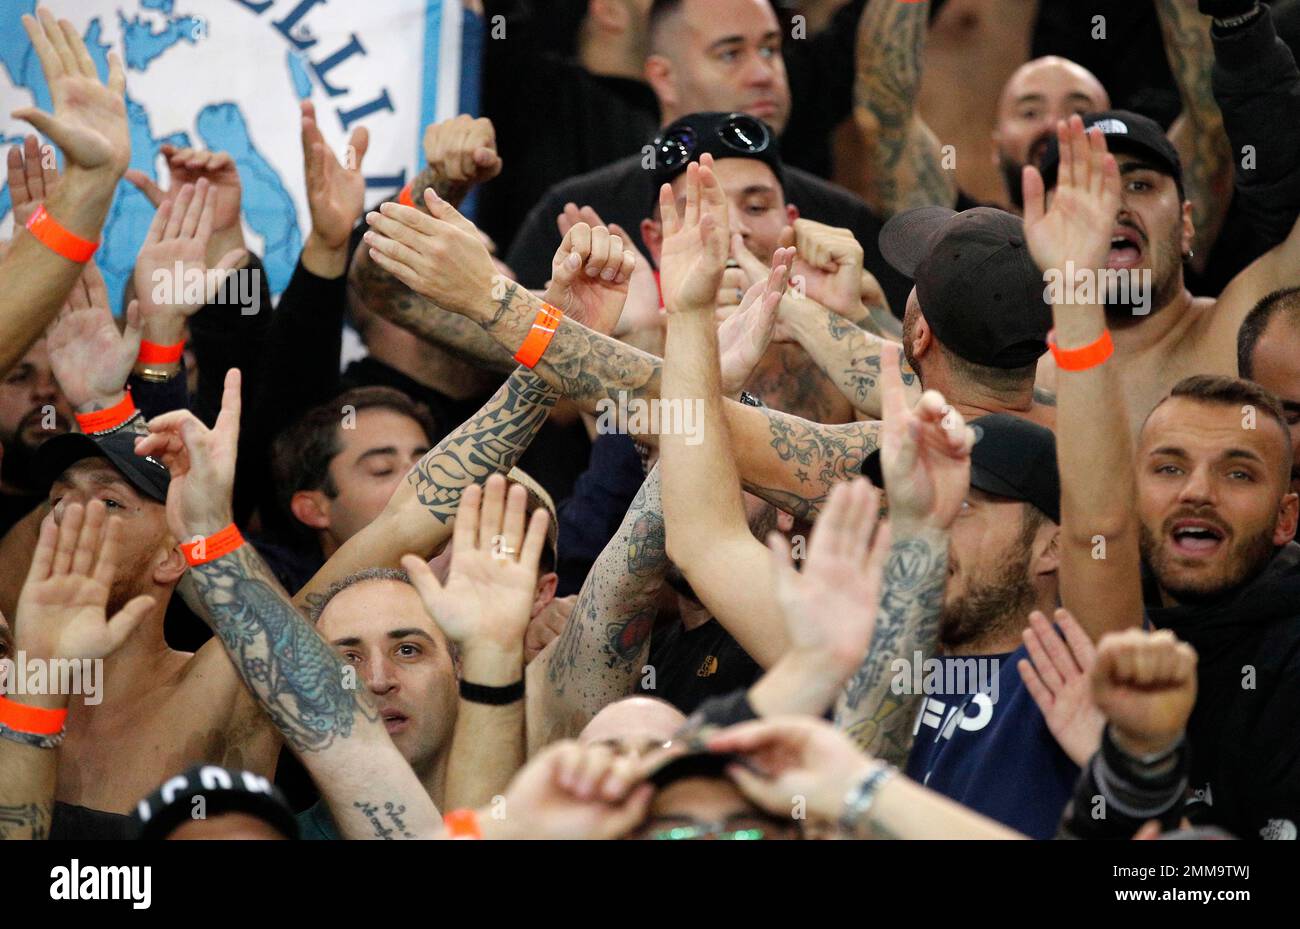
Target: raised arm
pixel 484 608
pixel 1198 132
pixel 61 618
pixel 925 461
pixel 599 655
pixel 418 516
pixel 902 169
pixel 1094 446
pixel 295 676
pixel 89 126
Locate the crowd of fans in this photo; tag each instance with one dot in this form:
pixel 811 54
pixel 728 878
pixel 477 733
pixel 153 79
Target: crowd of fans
pixel 788 448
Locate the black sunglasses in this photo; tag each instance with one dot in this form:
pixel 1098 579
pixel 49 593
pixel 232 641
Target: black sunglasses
pixel 740 133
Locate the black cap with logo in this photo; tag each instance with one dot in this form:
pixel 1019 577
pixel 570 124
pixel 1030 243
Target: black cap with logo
pixel 1012 458
pixel 1125 131
pixel 147 475
pixel 223 790
pixel 978 287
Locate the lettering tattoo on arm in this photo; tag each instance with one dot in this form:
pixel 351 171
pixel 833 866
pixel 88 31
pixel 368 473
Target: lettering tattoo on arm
pixel 26 820
pixel 605 643
pixel 911 603
pixel 906 167
pixel 488 443
pixel 387 823
pixel 296 677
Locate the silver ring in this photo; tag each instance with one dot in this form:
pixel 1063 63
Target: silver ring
pixel 733 263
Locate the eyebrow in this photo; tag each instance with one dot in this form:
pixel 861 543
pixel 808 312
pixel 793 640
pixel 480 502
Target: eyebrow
pixel 350 640
pixel 1174 452
pixel 758 189
pixel 1138 166
pixel 1030 98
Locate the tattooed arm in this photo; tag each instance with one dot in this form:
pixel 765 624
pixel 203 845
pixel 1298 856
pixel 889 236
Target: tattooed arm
pixel 599 655
pixel 903 168
pixel 297 679
pixel 1198 132
pixel 418 517
pixel 847 354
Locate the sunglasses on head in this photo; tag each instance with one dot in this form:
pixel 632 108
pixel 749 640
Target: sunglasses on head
pixel 740 133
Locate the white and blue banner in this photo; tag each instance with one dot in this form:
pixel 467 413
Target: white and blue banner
pixel 227 75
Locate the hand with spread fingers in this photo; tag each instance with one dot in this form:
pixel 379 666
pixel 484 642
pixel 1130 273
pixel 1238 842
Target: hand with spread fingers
pixel 336 192
pixel 89 122
pixel 590 274
pixel 33 175
pixel 488 597
pixel 91 358
pixel 201 462
pixel 218 169
pixel 1144 683
pixel 62 610
pixel 744 335
pixel 1058 677
pixel 696 241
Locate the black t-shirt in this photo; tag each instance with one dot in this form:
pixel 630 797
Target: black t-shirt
pixel 14 507
pixel 624 193
pixel 69 821
pixel 692 665
pixel 1245 769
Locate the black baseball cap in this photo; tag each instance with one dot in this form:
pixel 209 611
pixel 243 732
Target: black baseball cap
pixel 978 287
pixel 722 135
pixel 1125 131
pixel 147 475
pixel 224 790
pixel 1012 458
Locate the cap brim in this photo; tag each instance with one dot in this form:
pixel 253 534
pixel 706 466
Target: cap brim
pixel 907 238
pixel 56 455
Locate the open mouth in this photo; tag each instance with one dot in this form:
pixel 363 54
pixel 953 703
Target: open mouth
pixel 1197 538
pixel 1125 248
pixel 394 721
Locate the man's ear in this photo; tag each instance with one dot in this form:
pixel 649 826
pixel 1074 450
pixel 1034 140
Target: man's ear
pixel 311 508
pixel 922 337
pixel 546 585
pixel 659 75
pixel 792 213
pixel 1046 550
pixel 652 234
pixel 1287 512
pixel 1189 228
pixel 170 568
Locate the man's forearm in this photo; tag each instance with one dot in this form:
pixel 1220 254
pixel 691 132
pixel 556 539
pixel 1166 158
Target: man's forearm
pixel 903 167
pixel 877 718
pixel 27 777
pixel 599 655
pixel 418 517
pixel 314 701
pixel 487 745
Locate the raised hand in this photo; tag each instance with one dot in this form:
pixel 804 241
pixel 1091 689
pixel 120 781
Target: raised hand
pixel 91 358
pixel 573 791
pixel 1059 680
pixel 590 274
pixel 1079 224
pixel 62 610
pixel 201 462
pixel 189 166
pixel 33 174
pixel 695 243
pixel 641 309
pixel 794 756
pixel 488 598
pixel 178 239
pixel 744 335
pixel 828 266
pixel 830 606
pixel 89 120
pixel 1144 683
pixel 335 192
pixel 462 153
pixel 440 255
pixel 925 453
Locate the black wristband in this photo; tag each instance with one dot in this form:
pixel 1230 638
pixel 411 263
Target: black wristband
pixel 492 696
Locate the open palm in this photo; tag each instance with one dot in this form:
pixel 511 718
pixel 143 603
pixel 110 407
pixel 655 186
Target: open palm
pixel 90 357
pixel 696 242
pixel 335 192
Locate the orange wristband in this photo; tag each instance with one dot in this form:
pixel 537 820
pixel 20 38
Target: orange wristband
pixel 1081 359
pixel 462 824
pixel 57 239
pixel 103 420
pixel 404 198
pixel 215 546
pixel 539 337
pixel 155 354
pixel 32 720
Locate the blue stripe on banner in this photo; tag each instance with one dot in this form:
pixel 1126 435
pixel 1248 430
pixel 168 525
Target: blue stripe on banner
pixel 471 57
pixel 429 87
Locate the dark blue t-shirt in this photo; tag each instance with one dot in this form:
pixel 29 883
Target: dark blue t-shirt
pixel 982 741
